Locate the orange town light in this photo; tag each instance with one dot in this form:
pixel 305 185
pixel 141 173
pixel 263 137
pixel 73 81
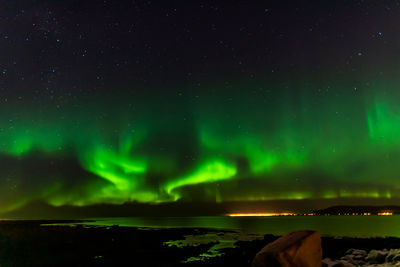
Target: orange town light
pixel 259 214
pixel 386 213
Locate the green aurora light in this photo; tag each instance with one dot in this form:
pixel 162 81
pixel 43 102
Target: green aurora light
pixel 311 145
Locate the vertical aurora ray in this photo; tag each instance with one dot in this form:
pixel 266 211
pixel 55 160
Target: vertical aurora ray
pixel 262 155
pixel 384 123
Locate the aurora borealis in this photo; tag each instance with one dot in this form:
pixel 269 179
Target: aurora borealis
pixel 147 104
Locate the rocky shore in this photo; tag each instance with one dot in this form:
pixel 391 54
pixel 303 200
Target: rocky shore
pixel 359 257
pixel 29 243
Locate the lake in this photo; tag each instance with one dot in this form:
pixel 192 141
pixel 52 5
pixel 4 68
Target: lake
pixel 350 226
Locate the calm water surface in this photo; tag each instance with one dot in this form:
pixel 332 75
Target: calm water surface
pixel 352 226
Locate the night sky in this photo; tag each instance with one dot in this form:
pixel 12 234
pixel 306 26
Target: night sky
pixel 108 102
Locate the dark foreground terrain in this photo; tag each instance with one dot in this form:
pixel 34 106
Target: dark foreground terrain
pixel 27 243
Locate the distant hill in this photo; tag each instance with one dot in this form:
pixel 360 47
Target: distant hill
pixel 358 210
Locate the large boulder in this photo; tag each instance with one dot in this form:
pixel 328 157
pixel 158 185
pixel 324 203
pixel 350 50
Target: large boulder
pixel 296 249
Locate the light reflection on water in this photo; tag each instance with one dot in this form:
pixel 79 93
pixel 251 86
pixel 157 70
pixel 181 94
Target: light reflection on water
pixel 351 226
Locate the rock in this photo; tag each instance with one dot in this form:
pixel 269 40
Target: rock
pixel 296 249
pixel 381 265
pixel 327 262
pixel 349 251
pixel 355 256
pixel 336 263
pixel 392 254
pixel 349 258
pixel 359 257
pixel 377 256
pixel 359 252
pixel 355 259
pixel 396 258
pixel 343 263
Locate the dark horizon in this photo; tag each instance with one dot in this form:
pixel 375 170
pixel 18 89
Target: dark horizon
pixel 43 211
